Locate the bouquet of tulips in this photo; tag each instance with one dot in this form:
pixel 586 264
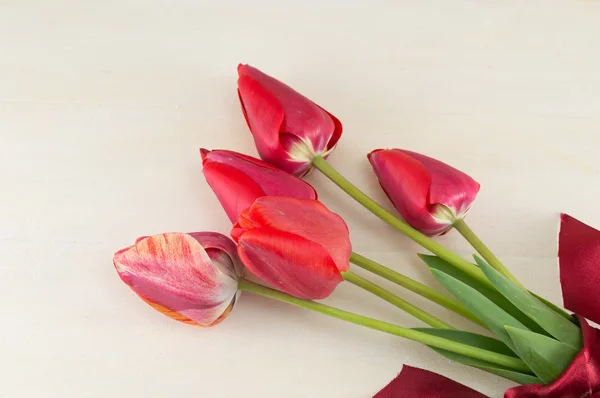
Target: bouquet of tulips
pixel 298 251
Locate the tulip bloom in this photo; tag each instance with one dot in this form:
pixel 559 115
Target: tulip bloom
pixel 238 180
pixel 191 278
pixel 296 245
pixel 288 128
pixel 430 195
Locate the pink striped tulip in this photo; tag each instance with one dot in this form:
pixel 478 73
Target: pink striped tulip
pixel 191 278
pixel 238 180
pixel 296 245
pixel 288 128
pixel 430 195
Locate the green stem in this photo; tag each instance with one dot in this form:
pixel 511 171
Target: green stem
pixel 492 260
pixel 414 286
pixel 454 259
pixel 427 339
pixel 395 300
pixel 482 249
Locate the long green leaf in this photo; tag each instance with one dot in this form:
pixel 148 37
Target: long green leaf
pixel 510 374
pixel 492 294
pixel 557 309
pixel 546 357
pixel 472 339
pixel 550 321
pixel 483 308
pixel 517 377
pixel 486 343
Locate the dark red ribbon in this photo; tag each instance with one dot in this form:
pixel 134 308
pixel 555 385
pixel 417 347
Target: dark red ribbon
pixel 415 382
pixel 579 263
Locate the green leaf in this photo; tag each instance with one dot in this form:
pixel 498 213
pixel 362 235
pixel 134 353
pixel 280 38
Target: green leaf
pixel 557 309
pixel 483 308
pixel 472 339
pixel 554 324
pixel 517 377
pixel 492 294
pixel 486 343
pixel 547 357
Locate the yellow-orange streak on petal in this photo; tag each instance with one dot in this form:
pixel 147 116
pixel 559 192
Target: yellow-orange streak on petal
pixel 181 318
pixel 170 313
pixel 224 315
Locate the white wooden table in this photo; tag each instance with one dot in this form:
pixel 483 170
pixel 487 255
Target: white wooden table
pixel 104 104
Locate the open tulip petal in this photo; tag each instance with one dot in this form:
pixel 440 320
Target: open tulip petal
pixel 304 269
pixel 174 273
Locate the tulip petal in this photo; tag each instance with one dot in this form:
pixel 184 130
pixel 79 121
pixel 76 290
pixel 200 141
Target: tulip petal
pixel 241 225
pixel 264 116
pixel 429 194
pixel 235 190
pixel 217 246
pixel 289 262
pixel 337 131
pixel 278 116
pixel 174 274
pixel 238 180
pixel 406 182
pixel 309 219
pixel 305 120
pixel 308 122
pixel 449 186
pixel 578 258
pixel 263 112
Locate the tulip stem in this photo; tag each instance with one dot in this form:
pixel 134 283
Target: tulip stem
pixel 492 260
pixel 411 334
pixel 482 249
pixel 454 259
pixel 395 300
pixel 414 286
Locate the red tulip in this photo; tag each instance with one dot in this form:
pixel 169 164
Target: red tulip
pixel 238 180
pixel 296 245
pixel 430 195
pixel 191 278
pixel 288 128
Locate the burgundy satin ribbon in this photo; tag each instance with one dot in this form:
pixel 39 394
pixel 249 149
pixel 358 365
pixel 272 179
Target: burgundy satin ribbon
pixel 579 263
pixel 415 382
